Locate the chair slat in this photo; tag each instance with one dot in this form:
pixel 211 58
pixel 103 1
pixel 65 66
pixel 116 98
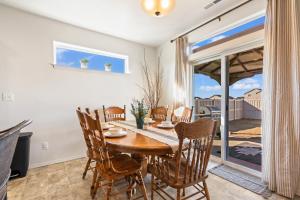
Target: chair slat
pixel 114 113
pixel 159 113
pixel 187 161
pixel 186 115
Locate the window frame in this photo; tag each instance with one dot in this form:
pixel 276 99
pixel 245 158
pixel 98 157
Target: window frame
pixel 228 28
pixel 58 44
pixel 229 38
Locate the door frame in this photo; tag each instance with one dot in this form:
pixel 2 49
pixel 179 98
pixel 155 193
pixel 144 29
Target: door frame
pixel 225 99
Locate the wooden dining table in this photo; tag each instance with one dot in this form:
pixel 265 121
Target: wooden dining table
pixel 139 146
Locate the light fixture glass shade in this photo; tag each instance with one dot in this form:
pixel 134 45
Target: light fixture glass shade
pixel 158 8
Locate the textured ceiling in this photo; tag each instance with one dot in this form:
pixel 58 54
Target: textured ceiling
pixel 125 18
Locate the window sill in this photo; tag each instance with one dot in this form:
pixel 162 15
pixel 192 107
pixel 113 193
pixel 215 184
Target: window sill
pixel 65 67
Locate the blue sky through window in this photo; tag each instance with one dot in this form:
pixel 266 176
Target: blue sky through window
pixel 71 58
pixel 206 87
pixel 231 32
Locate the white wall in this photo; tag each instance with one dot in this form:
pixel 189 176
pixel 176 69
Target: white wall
pixel 49 95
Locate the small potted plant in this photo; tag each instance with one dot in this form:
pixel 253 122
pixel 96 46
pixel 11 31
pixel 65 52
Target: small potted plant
pixel 107 67
pixel 84 63
pixel 139 111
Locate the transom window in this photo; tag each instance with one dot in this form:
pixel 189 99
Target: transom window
pixel 73 56
pixel 230 34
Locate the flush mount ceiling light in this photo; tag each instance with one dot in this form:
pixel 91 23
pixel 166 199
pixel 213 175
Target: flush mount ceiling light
pixel 158 8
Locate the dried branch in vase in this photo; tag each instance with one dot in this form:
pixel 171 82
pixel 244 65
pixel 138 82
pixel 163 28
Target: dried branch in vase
pixel 153 82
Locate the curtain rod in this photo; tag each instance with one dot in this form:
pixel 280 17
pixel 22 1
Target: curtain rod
pixel 213 19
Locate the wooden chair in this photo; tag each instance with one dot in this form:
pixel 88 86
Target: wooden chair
pixel 111 167
pixel 185 115
pixel 187 167
pixel 114 113
pixel 87 142
pixel 159 113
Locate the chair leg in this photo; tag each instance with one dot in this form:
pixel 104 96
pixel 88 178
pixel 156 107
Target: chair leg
pixel 96 185
pixel 142 185
pixel 94 181
pixel 131 185
pixel 129 194
pixel 206 190
pixel 178 195
pixel 152 186
pixel 86 168
pixel 108 190
pixel 183 192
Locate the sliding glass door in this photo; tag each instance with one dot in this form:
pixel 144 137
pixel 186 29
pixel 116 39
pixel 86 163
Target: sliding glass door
pixel 244 117
pixel 208 96
pixel 227 88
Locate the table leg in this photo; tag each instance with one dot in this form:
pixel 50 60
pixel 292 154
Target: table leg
pixel 143 160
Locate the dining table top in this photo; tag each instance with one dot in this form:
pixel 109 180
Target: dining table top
pixel 134 142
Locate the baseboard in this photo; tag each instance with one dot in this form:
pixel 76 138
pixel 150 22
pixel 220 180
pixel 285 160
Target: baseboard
pixel 35 165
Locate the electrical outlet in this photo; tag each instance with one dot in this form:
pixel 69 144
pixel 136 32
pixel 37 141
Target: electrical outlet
pixel 45 146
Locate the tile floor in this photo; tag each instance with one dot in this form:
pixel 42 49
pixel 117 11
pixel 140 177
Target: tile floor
pixel 63 181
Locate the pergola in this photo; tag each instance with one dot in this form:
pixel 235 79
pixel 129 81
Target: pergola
pixel 241 65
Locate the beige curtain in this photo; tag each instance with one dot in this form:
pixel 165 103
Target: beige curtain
pixel 182 73
pixel 281 99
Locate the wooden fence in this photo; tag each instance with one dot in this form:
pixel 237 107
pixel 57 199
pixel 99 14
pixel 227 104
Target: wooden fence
pixel 238 108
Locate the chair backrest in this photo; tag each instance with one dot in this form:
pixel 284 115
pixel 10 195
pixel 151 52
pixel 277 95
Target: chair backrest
pixel 159 113
pixel 83 126
pixel 98 141
pixel 184 116
pixel 195 144
pixel 114 113
pixel 8 141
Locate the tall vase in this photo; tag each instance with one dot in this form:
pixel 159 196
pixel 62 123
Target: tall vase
pixel 140 123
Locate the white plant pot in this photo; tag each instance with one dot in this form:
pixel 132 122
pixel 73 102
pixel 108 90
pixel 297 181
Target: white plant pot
pixel 107 68
pixel 83 65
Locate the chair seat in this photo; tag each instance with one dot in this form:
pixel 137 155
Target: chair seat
pixel 167 174
pixel 123 165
